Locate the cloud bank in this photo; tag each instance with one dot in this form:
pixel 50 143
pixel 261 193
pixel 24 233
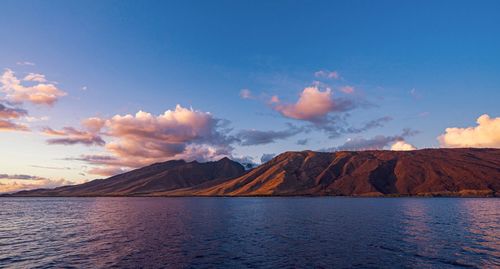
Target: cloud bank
pixel 485 134
pixel 144 138
pixel 8 185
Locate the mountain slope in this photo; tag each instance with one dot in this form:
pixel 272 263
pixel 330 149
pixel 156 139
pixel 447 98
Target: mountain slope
pixel 153 178
pixel 458 172
pixel 449 172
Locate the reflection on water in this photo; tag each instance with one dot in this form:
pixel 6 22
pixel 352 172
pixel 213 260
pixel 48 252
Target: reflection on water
pixel 249 232
pixel 482 222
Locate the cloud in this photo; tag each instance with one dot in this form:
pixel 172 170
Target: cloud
pixel 26 63
pixel 485 134
pixel 111 160
pixel 274 99
pixel 402 146
pixel 144 138
pixel 51 167
pixel 246 94
pixel 6 116
pixel 11 113
pixel 71 136
pixel 15 185
pixel 327 74
pixel 347 89
pixel 39 93
pixel 205 152
pixel 20 177
pixel 375 143
pixel 415 94
pixel 379 122
pixel 337 125
pixel 94 124
pixel 107 171
pixel 35 119
pixel 246 161
pixel 35 77
pixel 257 137
pixel 313 105
pixel 302 141
pixel 144 135
pixel 267 157
pixel 6 125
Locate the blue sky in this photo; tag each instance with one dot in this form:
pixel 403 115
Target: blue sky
pixel 426 65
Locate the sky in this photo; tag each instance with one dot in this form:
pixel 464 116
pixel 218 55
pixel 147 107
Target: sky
pixel 89 89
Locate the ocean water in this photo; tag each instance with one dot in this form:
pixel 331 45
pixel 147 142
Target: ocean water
pixel 249 233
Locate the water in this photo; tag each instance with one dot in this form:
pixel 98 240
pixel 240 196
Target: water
pixel 249 232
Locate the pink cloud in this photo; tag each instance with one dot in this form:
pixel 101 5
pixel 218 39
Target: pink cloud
pixel 94 124
pixel 35 77
pixel 6 116
pixel 274 99
pixel 40 93
pixel 106 171
pixel 8 185
pixel 71 136
pixel 347 89
pixel 6 125
pixel 313 105
pixel 143 138
pixel 11 113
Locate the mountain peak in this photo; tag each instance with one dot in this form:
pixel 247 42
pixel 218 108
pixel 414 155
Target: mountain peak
pixel 225 159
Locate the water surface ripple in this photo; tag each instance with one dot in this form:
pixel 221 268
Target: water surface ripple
pixel 249 233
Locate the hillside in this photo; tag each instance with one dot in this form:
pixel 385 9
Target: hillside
pixel 153 178
pixel 426 172
pixel 455 172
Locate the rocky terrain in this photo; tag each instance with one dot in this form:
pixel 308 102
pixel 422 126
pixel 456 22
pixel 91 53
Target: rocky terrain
pixel 157 177
pixel 426 172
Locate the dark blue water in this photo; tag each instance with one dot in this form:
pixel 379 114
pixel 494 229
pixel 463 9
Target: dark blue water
pixel 249 232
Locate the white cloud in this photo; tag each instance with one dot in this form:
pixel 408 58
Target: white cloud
pixel 327 74
pixel 402 146
pixel 485 134
pixel 35 119
pixel 26 63
pixel 35 77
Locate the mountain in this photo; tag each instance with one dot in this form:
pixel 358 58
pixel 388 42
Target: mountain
pixel 426 172
pixel 150 179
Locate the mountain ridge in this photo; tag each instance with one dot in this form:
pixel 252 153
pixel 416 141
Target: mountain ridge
pixel 425 172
